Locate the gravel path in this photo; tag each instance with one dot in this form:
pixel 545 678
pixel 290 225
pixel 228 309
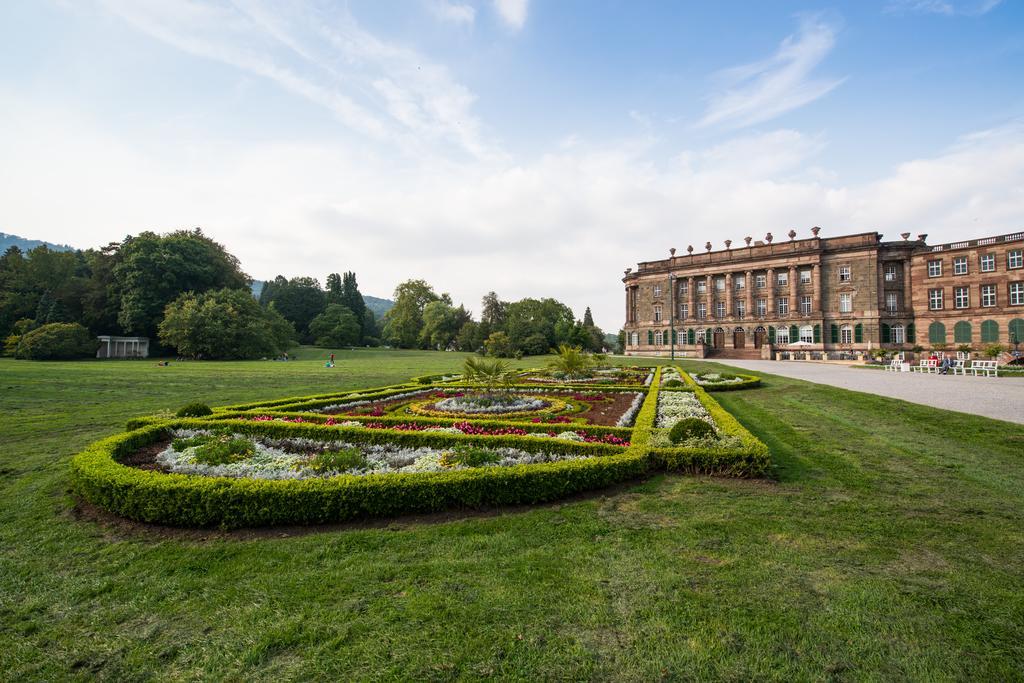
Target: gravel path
pixel 1000 398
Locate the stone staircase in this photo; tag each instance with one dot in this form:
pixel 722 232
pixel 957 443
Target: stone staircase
pixel 746 353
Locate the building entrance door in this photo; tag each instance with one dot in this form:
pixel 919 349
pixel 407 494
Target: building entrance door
pixel 759 335
pixel 738 338
pixel 719 338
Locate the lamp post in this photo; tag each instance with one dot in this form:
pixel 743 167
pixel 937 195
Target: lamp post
pixel 672 314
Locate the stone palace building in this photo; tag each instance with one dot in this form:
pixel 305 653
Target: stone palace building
pixel 834 296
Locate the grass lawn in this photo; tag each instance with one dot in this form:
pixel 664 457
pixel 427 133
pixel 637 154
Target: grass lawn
pixel 889 544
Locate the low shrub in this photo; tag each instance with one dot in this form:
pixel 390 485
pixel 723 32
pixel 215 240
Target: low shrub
pixel 57 341
pixel 469 456
pixel 339 460
pixel 216 449
pixel 690 428
pixel 194 410
pixel 673 383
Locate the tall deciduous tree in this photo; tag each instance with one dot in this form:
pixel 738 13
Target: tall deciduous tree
pixel 153 270
pixel 336 326
pixel 224 324
pixel 404 322
pixel 353 300
pixel 299 300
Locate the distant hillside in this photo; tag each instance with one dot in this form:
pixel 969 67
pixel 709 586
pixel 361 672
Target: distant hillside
pixel 377 305
pixel 8 241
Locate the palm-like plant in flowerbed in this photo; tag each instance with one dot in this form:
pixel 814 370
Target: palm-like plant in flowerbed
pixel 572 362
pixel 494 374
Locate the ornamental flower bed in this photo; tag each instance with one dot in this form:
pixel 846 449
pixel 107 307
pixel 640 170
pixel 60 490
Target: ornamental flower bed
pixel 712 378
pixel 304 461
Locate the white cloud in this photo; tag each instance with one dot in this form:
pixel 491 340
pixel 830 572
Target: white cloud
pixel 969 8
pixel 760 91
pixel 453 12
pixel 512 12
pixel 565 224
pixel 385 91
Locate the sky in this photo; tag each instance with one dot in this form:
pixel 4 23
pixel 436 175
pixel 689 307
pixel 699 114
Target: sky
pixel 530 147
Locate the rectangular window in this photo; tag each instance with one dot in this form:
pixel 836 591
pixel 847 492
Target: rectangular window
pixel 934 268
pixel 657 314
pixel 719 284
pixel 961 297
pixel 844 274
pixel 845 334
pixel 657 290
pixel 890 272
pixel 702 286
pixel 1015 258
pixel 897 334
pixel 782 336
pixel 1017 293
pixel 783 305
pixel 720 309
pixel 659 338
pixel 684 287
pixel 805 277
pixel 846 302
pixel 761 281
pixel 782 279
pixel 892 302
pixel 762 307
pixel 988 263
pixel 988 295
pixel 684 311
pixel 807 334
pixel 935 299
pixel 741 309
pixel 805 305
pixel 702 310
pixel 740 282
pixel 960 265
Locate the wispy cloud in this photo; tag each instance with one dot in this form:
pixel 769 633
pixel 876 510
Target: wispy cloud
pixel 453 12
pixel 379 89
pixel 760 91
pixel 512 12
pixel 947 7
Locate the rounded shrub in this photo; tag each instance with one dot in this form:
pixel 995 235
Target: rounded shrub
pixel 194 410
pixel 672 383
pixel 57 341
pixel 689 428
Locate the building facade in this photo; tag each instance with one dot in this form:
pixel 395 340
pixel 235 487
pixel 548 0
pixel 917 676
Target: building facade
pixel 840 296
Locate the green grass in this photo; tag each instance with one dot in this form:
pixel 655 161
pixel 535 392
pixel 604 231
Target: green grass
pixel 890 545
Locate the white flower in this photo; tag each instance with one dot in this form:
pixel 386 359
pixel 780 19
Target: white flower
pixel 674 406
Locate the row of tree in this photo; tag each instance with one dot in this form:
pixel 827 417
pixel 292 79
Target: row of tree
pixel 182 290
pixel 423 319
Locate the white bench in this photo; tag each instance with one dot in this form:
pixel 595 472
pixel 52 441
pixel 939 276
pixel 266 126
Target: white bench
pixel 926 365
pixel 959 367
pixel 989 368
pixel 894 366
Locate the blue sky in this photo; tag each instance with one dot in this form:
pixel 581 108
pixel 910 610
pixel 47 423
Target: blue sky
pixel 534 148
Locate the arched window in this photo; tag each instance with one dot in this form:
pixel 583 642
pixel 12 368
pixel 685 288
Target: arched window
pixel 858 333
pixel 635 339
pixel 659 338
pixel 807 334
pixel 896 334
pixel 701 336
pixel 962 333
pixel 782 336
pixel 990 331
pixel 936 333
pixel 1016 331
pixel 845 334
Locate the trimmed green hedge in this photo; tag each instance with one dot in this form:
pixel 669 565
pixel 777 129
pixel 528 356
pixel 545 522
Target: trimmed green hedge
pixel 749 382
pixel 198 501
pixel 193 501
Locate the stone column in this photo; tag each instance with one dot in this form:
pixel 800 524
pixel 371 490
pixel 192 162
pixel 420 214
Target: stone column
pixel 794 301
pixel 709 289
pixel 770 278
pixel 690 287
pixel 729 310
pixel 816 290
pixel 750 293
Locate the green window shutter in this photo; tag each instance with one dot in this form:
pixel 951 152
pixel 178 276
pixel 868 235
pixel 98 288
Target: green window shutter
pixel 858 333
pixel 962 332
pixel 1016 331
pixel 675 337
pixel 990 331
pixel 691 336
pixel 771 334
pixel 835 334
pixel 650 337
pixel 794 333
pixel 937 333
pixel 886 334
pixel 911 337
pixel 817 334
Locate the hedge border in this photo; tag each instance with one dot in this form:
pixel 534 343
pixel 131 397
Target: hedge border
pixel 749 382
